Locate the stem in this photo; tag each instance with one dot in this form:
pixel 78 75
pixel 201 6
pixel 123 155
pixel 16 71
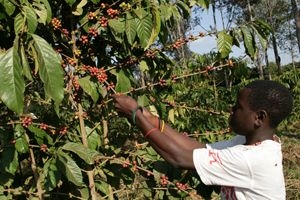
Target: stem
pixel 90 173
pixel 40 192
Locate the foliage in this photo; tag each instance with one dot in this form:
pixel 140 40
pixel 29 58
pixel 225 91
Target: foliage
pixel 59 63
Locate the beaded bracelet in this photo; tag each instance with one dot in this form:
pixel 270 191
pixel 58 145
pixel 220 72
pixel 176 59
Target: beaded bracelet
pixel 134 113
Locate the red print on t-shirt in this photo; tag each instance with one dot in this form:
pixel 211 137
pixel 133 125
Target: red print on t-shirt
pixel 228 193
pixel 214 157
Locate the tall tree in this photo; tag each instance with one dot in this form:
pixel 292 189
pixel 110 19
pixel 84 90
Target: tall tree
pixel 296 11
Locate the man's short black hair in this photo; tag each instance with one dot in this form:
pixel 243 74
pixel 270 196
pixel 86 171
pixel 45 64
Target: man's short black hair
pixel 272 97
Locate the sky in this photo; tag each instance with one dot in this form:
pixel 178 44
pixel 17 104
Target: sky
pixel 207 44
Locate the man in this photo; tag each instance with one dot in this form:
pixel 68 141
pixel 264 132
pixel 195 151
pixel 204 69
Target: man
pixel 247 167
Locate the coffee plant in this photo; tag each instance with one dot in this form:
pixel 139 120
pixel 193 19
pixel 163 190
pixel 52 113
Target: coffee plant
pixel 59 63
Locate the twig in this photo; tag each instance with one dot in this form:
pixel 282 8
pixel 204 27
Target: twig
pixel 85 143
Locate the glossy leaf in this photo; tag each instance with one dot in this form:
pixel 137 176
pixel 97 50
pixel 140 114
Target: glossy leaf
pixel 203 3
pixel 70 2
pixel 48 8
pixel 117 27
pixel 262 30
pixel 123 82
pixel 21 144
pixel 9 160
pixel 88 155
pixel 184 8
pixel 50 69
pixel 224 43
pixel 144 26
pixel 89 87
pixel 52 174
pixel 79 7
pixel 25 64
pixel 130 28
pixel 19 23
pixel 70 169
pixel 155 26
pixel 40 135
pixel 12 83
pixel 249 41
pixel 9 7
pixel 31 19
pixel 40 8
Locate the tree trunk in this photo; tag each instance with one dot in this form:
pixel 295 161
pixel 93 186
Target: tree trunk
pixel 296 12
pixel 276 54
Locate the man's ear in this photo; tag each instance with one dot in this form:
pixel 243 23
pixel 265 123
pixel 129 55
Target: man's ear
pixel 261 117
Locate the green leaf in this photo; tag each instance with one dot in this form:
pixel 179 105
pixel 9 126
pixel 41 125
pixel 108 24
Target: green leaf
pixel 88 155
pixel 52 174
pixel 90 87
pixel 94 139
pixel 40 135
pixel 117 27
pixel 79 7
pixel 46 5
pixel 25 64
pixel 130 28
pixel 184 8
pixel 50 70
pixel 9 7
pixel 143 66
pixel 12 85
pixel 144 26
pixel 21 144
pixel 203 3
pixel 9 160
pixel 155 26
pixel 19 23
pixel 71 170
pixel 102 186
pixel 41 10
pixel 123 82
pixel 249 41
pixel 263 30
pixel 70 2
pixel 224 43
pixel 31 19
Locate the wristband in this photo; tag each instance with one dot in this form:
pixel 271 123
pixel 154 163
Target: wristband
pixel 151 131
pixel 134 113
pixel 162 126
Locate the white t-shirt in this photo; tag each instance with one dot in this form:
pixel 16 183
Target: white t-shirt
pixel 245 172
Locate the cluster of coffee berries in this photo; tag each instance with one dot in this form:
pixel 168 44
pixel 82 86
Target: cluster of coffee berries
pixel 162 82
pixel 179 43
pixel 103 21
pixel 26 121
pixel 110 86
pixel 65 32
pixel 75 83
pixel 125 6
pixel 93 32
pixel 43 126
pixel 84 39
pixel 99 73
pixel 181 186
pixel 92 16
pixel 150 54
pixel 43 147
pixel 56 23
pixel 112 12
pixel 63 130
pixel 71 61
pixel 164 180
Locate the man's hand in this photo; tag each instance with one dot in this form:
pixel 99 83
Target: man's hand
pixel 124 104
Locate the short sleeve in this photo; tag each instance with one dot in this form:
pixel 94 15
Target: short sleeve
pixel 227 167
